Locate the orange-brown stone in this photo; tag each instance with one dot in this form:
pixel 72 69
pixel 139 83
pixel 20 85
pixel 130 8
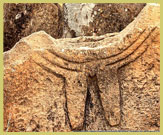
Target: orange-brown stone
pixel 108 83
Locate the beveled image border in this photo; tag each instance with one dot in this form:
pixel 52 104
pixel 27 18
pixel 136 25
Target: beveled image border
pixel 76 133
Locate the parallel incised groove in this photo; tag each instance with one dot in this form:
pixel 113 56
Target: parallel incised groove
pixel 49 70
pixel 104 58
pixel 58 55
pixel 78 90
pixel 134 54
pixel 111 92
pixel 133 51
pixel 98 83
pixel 63 88
pixel 109 85
pixel 60 66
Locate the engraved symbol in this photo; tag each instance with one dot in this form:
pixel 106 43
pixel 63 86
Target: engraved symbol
pixel 75 67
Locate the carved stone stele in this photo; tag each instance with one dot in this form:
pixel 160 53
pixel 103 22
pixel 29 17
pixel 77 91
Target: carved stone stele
pixel 108 83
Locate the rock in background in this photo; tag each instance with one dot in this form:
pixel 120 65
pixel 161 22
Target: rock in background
pixel 65 21
pixel 21 20
pixel 87 19
pixel 94 83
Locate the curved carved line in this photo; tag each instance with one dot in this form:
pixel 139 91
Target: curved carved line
pixel 63 88
pixel 129 55
pixel 49 70
pixel 68 113
pixel 58 65
pixel 133 59
pixel 77 62
pixel 65 59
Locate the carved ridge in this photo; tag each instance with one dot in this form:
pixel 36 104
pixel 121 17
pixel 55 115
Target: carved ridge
pixel 121 60
pixel 84 62
pixel 60 66
pixel 76 63
pixel 63 88
pixel 136 49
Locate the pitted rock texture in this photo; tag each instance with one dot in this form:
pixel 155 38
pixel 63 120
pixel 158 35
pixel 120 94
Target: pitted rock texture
pixel 21 20
pixel 69 20
pixel 88 19
pixel 97 83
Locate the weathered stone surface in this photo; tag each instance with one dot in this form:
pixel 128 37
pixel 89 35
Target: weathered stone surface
pixel 21 20
pixel 87 19
pixel 109 82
